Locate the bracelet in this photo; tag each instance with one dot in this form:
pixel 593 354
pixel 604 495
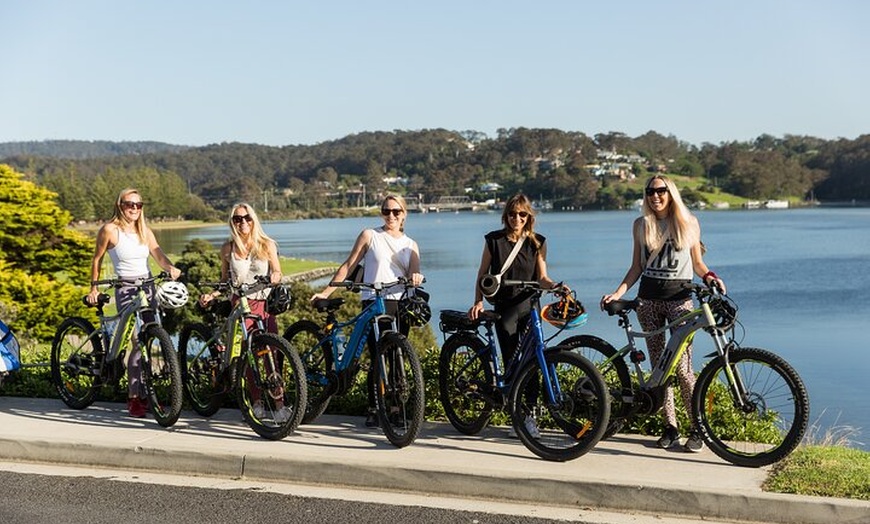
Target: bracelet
pixel 94 283
pixel 709 274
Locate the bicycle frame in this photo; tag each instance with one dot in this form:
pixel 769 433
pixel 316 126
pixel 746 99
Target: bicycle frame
pixel 125 321
pixel 368 319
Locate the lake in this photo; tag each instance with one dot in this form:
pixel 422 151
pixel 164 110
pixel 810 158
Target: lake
pixel 800 277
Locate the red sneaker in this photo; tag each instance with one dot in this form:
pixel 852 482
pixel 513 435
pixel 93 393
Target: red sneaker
pixel 137 407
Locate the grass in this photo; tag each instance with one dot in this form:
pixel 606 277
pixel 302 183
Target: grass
pixel 825 471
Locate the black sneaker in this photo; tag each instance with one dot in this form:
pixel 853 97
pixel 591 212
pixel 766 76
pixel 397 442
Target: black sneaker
pixel 372 420
pixel 694 443
pixel 670 438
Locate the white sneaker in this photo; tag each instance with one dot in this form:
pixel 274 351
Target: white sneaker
pixel 259 411
pixel 531 428
pixel 283 415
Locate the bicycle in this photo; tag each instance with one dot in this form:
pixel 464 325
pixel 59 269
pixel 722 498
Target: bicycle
pixel 222 355
pixel 331 363
pixel 561 389
pixel 84 358
pixel 749 405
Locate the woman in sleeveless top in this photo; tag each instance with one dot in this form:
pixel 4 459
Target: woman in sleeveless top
pixel 387 254
pixel 129 242
pixel 667 252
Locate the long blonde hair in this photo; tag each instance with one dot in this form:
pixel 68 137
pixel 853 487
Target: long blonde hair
pixel 679 224
pixel 120 220
pixel 259 240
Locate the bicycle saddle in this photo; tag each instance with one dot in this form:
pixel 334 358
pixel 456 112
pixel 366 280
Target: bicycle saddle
pixel 328 304
pixel 621 306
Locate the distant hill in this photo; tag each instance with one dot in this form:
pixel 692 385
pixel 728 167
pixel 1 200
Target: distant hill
pixel 84 149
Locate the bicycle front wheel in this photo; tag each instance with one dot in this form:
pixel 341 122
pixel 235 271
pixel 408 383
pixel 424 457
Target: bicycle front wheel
pixel 773 416
pixel 398 389
pixel 575 422
pixel 75 362
pixel 270 386
pixel 205 386
pixel 304 338
pixel 161 374
pixel 464 378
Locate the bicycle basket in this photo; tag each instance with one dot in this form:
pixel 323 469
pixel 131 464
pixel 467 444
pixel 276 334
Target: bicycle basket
pixel 724 311
pixel 279 300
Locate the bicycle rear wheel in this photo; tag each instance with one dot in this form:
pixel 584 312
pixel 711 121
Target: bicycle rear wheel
pixel 75 362
pixel 576 422
pixel 161 374
pixel 615 373
pixel 270 386
pixel 774 416
pixel 205 386
pixel 304 337
pixel 398 389
pixel 464 374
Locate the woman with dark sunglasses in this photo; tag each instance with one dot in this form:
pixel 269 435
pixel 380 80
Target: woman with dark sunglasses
pixel 530 263
pixel 667 251
pixel 129 242
pixel 386 254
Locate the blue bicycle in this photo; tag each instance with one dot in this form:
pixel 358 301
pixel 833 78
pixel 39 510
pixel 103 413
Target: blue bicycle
pixel 562 392
pixel 332 360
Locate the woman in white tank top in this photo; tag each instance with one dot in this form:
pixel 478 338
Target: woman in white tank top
pixel 129 242
pixel 388 253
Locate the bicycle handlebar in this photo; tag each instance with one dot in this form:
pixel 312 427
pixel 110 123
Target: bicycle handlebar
pixel 261 282
pixel 377 287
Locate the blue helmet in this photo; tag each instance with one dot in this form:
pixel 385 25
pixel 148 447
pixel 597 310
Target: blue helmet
pixel 567 313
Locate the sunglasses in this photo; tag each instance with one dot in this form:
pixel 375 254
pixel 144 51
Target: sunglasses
pixel 238 219
pixel 650 191
pixel 395 212
pixel 521 214
pixel 126 204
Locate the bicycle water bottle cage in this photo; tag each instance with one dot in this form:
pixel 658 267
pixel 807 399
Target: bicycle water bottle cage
pixel 621 306
pixel 323 305
pixel 453 320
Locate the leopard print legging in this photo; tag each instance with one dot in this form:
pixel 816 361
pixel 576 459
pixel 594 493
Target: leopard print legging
pixel 653 314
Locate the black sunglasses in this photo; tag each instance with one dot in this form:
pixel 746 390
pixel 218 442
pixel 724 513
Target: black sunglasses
pixel 521 214
pixel 131 205
pixel 650 191
pixel 395 212
pixel 238 219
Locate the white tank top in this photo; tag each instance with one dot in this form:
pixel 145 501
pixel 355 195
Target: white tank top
pixel 129 256
pixel 386 259
pixel 245 271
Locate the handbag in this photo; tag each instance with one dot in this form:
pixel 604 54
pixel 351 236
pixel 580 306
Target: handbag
pixel 489 284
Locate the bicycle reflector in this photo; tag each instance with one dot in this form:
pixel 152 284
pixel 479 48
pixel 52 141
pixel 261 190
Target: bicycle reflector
pixel 567 313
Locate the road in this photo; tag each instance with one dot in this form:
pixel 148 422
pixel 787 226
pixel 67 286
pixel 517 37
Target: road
pixel 43 493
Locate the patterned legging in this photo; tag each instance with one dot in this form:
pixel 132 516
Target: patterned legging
pixel 653 314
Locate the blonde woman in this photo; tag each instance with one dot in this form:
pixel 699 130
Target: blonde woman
pixel 129 242
pixel 387 253
pixel 667 252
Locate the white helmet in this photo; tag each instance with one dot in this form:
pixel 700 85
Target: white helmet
pixel 171 294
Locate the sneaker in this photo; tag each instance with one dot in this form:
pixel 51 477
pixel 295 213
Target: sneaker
pixel 694 443
pixel 259 410
pixel 372 420
pixel 531 428
pixel 669 438
pixel 136 407
pixel 283 415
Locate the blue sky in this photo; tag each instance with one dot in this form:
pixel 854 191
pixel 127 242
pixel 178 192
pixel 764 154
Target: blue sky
pixel 294 72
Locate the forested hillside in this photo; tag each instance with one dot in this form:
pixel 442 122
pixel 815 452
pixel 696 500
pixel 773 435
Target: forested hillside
pixel 568 169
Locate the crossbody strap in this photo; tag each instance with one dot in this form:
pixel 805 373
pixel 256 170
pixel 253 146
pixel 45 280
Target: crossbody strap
pixel 513 254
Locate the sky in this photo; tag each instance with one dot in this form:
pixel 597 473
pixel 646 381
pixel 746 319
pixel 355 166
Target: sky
pixel 196 72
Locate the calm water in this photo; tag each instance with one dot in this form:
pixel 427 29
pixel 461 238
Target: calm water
pixel 800 277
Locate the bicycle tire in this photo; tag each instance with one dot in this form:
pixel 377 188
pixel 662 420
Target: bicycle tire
pixel 464 368
pixel 161 374
pixel 75 362
pixel 278 382
pixel 400 402
pixel 304 337
pixel 205 386
pixel 573 426
pixel 778 401
pixel 615 373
